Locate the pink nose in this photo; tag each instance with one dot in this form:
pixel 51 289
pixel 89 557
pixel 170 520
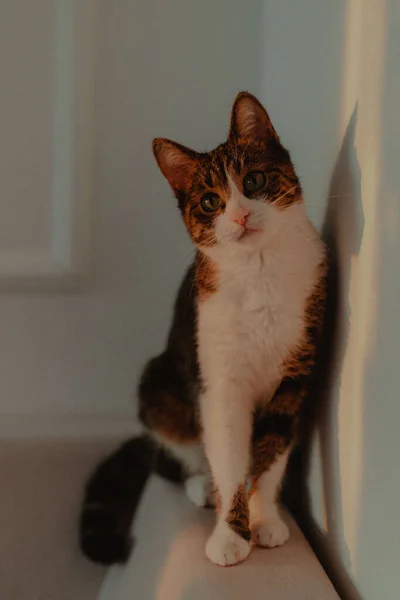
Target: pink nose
pixel 241 217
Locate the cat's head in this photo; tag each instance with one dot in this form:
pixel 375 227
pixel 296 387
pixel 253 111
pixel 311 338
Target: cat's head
pixel 237 194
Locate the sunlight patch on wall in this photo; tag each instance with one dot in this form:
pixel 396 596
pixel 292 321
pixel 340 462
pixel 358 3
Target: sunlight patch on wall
pixel 363 75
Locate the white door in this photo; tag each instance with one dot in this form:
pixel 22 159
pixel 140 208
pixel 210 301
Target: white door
pixel 46 204
pixel 91 244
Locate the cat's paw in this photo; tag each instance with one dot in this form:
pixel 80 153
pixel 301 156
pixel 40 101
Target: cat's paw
pixel 270 533
pixel 199 490
pixel 226 548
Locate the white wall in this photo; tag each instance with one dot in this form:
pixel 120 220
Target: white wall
pixel 343 128
pixel 71 359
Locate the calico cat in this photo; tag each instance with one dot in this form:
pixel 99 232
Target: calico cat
pixel 223 404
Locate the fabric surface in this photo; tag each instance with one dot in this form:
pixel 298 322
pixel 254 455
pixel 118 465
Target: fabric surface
pixel 168 561
pixel 40 492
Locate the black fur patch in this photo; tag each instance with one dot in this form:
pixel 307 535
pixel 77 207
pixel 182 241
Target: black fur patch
pixel 112 496
pixel 168 390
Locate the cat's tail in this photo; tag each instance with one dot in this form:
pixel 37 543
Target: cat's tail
pixel 112 496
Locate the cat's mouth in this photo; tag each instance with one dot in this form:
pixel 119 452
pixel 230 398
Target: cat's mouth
pixel 249 232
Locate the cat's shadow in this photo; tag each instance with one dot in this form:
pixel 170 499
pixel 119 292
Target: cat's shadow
pixel 342 232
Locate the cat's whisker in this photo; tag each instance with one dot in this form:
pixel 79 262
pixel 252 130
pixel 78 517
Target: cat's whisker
pixel 189 255
pixel 327 247
pixel 203 258
pixel 300 219
pixel 286 193
pixel 210 237
pixel 340 196
pixel 311 243
pixel 319 204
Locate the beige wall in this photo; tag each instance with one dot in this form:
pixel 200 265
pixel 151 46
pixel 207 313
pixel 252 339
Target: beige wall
pixel 368 407
pixel 347 149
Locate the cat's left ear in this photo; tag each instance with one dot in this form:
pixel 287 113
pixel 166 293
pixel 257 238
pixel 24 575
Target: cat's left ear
pixel 176 162
pixel 249 119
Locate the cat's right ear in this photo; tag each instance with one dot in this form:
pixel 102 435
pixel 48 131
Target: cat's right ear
pixel 249 119
pixel 176 162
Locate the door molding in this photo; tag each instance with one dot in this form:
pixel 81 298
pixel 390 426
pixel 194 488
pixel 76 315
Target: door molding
pixel 67 259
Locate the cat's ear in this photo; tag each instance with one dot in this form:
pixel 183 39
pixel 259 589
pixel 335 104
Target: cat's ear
pixel 249 119
pixel 176 162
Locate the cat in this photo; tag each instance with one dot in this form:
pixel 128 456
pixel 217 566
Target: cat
pixel 222 405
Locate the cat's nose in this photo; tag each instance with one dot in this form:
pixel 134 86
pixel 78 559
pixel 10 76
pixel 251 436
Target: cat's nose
pixel 241 216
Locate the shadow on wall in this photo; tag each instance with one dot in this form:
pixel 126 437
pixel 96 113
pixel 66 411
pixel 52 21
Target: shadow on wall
pixel 342 233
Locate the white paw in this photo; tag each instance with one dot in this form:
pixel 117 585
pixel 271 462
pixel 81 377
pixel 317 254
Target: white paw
pixel 270 533
pixel 225 547
pixel 198 490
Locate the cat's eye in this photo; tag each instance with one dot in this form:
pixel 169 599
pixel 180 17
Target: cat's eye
pixel 210 203
pixel 254 181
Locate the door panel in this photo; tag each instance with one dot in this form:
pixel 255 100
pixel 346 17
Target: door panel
pixel 45 141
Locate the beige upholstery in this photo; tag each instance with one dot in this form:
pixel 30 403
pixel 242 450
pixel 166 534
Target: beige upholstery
pixel 41 484
pixel 168 562
pixel 40 493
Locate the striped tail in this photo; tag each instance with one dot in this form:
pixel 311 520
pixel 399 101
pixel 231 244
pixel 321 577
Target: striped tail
pixel 112 496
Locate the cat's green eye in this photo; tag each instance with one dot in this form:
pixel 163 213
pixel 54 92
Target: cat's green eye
pixel 254 181
pixel 210 203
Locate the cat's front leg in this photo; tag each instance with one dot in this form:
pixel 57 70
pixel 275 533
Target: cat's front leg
pixel 227 422
pixel 274 435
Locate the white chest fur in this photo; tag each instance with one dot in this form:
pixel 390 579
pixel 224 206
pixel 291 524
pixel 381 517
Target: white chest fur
pixel 247 328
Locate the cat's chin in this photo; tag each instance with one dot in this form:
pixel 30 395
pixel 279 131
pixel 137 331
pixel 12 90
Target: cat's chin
pixel 249 240
pixel 250 233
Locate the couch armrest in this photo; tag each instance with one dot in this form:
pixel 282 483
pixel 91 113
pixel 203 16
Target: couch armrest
pixel 168 561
